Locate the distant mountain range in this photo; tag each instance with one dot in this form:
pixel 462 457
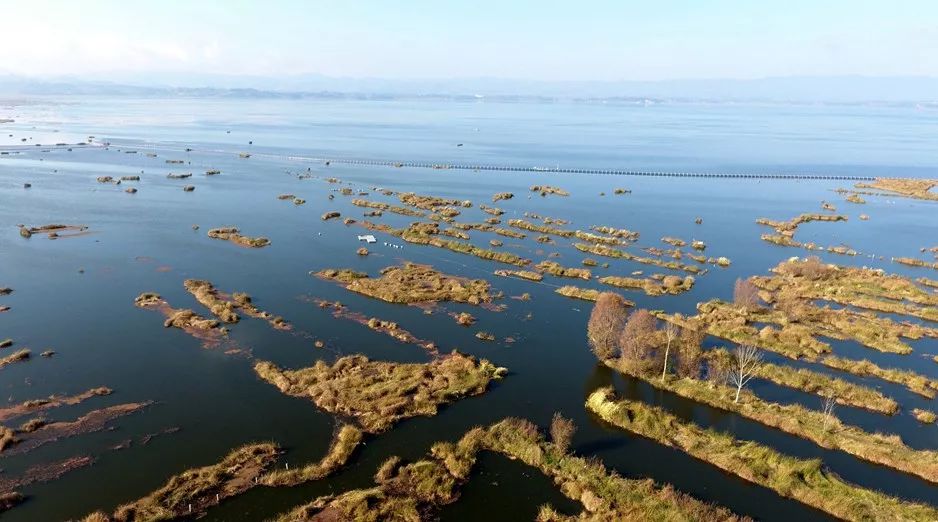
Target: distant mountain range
pixel 835 89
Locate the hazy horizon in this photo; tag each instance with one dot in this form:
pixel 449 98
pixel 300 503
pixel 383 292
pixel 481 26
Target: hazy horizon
pixel 600 41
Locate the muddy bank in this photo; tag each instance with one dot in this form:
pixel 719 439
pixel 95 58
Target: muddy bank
pixel 389 328
pixel 54 231
pixel 48 403
pixel 96 420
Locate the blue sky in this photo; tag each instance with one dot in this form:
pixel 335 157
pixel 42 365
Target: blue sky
pixel 537 40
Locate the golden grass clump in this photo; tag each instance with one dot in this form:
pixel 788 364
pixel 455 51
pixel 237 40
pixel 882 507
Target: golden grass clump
pixel 548 190
pixel 669 284
pixel 602 250
pixel 810 279
pixel 206 294
pixel 377 394
pixel 542 229
pixel 10 499
pixel 521 274
pixel 586 294
pixel 234 235
pixel 340 450
pixel 193 491
pixel 20 355
pixel 555 269
pixel 803 480
pixel 412 283
pixel 924 416
pixel 911 188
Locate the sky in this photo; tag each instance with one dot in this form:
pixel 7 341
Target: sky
pixel 522 39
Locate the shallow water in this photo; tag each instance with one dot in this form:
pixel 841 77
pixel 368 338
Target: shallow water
pixel 75 295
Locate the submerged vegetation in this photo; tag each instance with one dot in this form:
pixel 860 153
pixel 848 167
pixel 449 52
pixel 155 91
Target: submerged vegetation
pixel 377 394
pixel 803 480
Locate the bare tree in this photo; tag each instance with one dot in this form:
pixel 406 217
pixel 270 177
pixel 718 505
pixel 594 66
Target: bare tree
pixel 670 333
pixel 561 432
pixel 746 362
pixel 638 337
pixel 689 351
pixel 606 321
pixel 830 402
pixel 745 294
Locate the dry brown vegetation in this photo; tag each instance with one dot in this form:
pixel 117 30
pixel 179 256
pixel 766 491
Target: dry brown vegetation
pixel 606 321
pixel 911 188
pixel 53 231
pixel 416 491
pixel 412 283
pixel 823 429
pixel 653 286
pixel 429 234
pixel 378 393
pixel 803 480
pixel 194 491
pixel 206 330
pixel 521 274
pixel 555 269
pixel 10 499
pixel 234 235
pixel 17 356
pixel 602 250
pixel 36 433
pixel 844 392
pixel 389 328
pixel 541 229
pixel 924 416
pixel 53 401
pixel 224 306
pixel 639 355
pixel 911 261
pixel 44 472
pixel 586 294
pixel 547 189
pixel 346 439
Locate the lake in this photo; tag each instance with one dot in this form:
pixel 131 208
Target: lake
pixel 75 295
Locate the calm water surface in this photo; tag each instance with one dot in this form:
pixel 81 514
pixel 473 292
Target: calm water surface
pixel 76 295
